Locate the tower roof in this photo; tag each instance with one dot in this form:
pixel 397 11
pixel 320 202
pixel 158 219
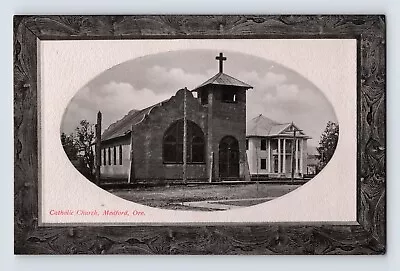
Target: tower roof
pixel 225 80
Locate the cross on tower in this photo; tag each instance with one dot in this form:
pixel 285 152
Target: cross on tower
pixel 221 60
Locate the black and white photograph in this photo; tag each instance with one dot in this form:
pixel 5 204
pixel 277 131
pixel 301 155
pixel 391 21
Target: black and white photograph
pixel 212 131
pixel 220 134
pixel 199 130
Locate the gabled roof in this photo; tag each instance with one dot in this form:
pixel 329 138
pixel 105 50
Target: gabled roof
pixel 278 129
pixel 123 126
pixel 223 79
pixel 260 126
pixel 263 126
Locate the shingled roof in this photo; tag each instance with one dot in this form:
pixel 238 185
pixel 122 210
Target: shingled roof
pixel 223 79
pixel 263 126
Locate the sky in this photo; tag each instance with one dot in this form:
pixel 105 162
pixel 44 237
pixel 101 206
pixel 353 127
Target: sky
pixel 278 93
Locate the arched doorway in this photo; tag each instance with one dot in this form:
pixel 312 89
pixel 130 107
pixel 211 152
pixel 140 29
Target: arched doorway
pixel 229 157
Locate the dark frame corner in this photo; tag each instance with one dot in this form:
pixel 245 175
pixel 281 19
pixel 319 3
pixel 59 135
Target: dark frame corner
pixel 367 237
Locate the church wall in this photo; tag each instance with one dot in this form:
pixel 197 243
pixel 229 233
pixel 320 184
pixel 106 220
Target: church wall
pixel 175 172
pixel 229 119
pixel 148 140
pixel 116 171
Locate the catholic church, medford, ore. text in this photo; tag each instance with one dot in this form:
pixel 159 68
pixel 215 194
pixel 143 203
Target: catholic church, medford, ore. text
pixel 199 135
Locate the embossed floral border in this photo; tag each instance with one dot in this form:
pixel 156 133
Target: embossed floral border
pixel 368 237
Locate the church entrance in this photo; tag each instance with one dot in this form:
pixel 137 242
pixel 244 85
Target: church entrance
pixel 229 157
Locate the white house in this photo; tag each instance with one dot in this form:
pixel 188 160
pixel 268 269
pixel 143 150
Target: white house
pixel 269 148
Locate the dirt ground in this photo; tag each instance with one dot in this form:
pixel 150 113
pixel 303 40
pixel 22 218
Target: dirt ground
pixel 172 197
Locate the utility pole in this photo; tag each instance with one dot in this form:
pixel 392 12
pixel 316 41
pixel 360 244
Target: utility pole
pixel 131 176
pixel 98 147
pixel 257 181
pixel 184 137
pixel 294 148
pixel 210 174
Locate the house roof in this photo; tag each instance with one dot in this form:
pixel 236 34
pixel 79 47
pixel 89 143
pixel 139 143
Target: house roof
pixel 223 79
pixel 260 126
pixel 263 126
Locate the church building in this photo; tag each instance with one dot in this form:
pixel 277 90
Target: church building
pixel 196 135
pixel 276 150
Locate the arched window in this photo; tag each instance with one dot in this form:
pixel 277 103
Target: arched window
pixel 172 149
pixel 173 143
pixel 197 149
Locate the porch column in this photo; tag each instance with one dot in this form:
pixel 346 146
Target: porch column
pixel 284 156
pixel 269 155
pixel 301 156
pixel 279 155
pixel 297 155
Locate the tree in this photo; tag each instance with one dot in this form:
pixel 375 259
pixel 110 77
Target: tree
pixel 69 146
pixel 78 147
pixel 84 139
pixel 328 143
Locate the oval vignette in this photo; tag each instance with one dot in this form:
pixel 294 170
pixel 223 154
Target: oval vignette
pixel 262 129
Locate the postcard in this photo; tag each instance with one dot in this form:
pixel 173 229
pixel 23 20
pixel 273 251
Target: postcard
pixel 241 135
pixel 216 132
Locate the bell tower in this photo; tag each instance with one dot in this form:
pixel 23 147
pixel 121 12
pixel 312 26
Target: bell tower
pixel 225 99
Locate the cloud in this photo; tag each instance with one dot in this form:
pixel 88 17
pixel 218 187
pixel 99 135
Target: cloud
pixel 172 79
pixel 265 81
pixel 122 96
pixel 287 92
pixel 285 100
pixel 275 94
pixel 114 100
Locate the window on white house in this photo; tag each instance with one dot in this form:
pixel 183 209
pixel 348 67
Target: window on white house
pixel 263 144
pixel 263 163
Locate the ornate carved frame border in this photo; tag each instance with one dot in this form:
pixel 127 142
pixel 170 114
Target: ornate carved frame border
pixel 368 237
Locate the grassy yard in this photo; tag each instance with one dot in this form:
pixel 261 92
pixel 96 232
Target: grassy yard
pixel 171 196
